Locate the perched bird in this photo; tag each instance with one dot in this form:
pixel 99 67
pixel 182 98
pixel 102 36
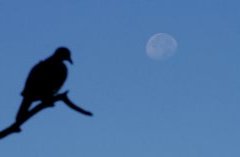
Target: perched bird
pixel 44 80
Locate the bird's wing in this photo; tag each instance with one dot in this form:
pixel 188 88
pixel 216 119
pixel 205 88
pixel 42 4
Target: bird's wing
pixel 45 79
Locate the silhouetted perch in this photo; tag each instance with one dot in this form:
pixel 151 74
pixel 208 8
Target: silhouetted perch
pixel 16 127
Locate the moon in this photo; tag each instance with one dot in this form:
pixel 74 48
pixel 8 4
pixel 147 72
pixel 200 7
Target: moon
pixel 161 46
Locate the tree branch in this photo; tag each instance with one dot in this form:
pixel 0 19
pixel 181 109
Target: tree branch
pixel 15 127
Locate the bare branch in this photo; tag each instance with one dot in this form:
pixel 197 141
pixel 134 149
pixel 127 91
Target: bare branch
pixel 15 127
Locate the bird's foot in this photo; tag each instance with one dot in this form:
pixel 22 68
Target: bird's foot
pixel 50 104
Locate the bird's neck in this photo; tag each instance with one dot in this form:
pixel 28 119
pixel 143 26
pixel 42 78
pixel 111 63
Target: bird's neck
pixel 55 58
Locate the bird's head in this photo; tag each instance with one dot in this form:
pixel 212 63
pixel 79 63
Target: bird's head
pixel 63 54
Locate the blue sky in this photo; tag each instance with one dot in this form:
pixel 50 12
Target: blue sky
pixel 185 106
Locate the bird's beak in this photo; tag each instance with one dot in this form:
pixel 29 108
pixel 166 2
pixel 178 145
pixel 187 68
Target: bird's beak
pixel 70 60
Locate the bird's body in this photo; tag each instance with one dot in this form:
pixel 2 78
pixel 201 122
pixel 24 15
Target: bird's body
pixel 44 80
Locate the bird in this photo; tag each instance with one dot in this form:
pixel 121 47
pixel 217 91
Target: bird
pixel 44 80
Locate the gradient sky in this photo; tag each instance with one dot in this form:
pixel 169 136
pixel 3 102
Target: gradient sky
pixel 185 106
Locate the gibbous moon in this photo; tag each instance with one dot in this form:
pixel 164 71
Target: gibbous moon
pixel 161 46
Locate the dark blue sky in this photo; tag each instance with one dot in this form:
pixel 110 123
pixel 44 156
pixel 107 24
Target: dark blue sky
pixel 185 106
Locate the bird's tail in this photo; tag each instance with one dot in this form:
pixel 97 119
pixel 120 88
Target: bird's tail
pixel 23 110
